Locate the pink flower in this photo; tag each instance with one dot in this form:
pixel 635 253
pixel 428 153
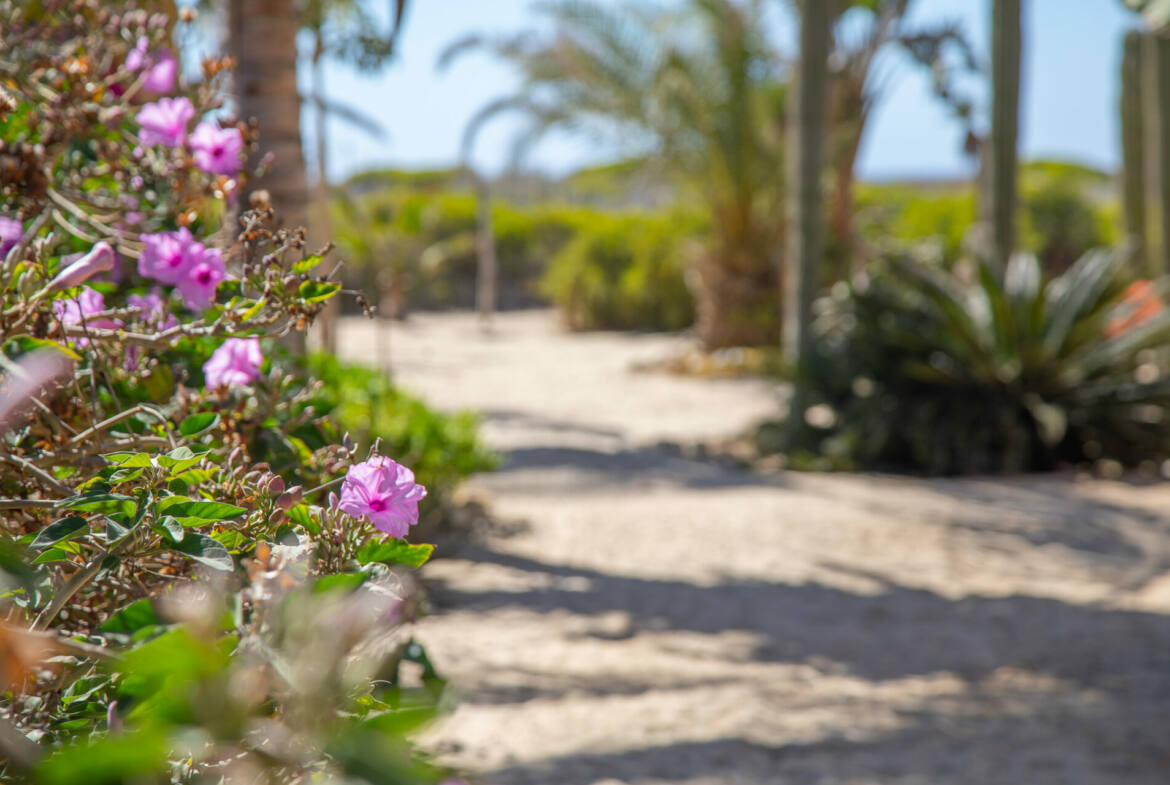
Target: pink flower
pixel 100 259
pixel 160 66
pixel 165 121
pixel 80 309
pixel 169 256
pixel 11 232
pixel 198 285
pixel 384 493
pixel 152 309
pixel 217 150
pixel 235 363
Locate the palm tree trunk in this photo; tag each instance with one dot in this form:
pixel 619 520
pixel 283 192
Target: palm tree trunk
pixel 805 199
pixel 262 37
pixel 487 270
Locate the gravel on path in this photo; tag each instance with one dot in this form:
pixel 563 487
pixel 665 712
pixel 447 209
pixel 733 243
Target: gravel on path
pixel 639 616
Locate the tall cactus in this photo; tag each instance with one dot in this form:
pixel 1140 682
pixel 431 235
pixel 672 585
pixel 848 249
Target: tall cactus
pixel 1133 152
pixel 804 194
pixel 1162 77
pixel 1006 41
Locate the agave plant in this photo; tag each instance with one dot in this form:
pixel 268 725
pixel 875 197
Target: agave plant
pixel 921 369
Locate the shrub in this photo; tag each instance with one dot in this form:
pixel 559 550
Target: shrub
pixel 920 370
pixel 624 272
pixel 182 600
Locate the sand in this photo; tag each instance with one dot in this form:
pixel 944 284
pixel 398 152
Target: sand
pixel 635 615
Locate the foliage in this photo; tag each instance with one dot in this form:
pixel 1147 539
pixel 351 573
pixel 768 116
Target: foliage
pixel 424 237
pixel 180 600
pixel 696 91
pixel 1061 220
pixel 919 369
pixel 623 272
pixel 1066 210
pixel 441 449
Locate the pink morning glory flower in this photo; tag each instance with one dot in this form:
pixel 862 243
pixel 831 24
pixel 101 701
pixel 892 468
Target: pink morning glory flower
pixel 100 259
pixel 152 309
pixel 160 66
pixel 80 309
pixel 235 363
pixel 11 232
pixel 217 150
pixel 384 493
pixel 198 286
pixel 165 121
pixel 169 256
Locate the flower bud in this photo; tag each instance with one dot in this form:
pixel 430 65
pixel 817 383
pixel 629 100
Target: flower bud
pixel 290 498
pixel 275 486
pixel 100 259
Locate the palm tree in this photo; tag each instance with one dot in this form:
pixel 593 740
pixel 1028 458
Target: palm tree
pixel 262 39
pixel 696 91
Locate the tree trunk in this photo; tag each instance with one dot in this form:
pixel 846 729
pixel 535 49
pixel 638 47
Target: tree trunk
pixel 262 37
pixel 806 154
pixel 487 269
pixel 1006 39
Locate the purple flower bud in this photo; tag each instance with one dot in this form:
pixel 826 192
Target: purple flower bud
pixel 275 486
pixel 100 259
pixel 11 233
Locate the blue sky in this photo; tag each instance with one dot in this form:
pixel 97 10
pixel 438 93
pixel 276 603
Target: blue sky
pixel 1072 51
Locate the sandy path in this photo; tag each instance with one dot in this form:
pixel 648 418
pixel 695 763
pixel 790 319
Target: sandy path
pixel 641 617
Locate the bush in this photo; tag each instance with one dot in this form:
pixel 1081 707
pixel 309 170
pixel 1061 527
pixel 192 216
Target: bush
pixel 1065 210
pixel 918 370
pixel 181 597
pixel 1063 215
pixel 624 272
pixel 426 240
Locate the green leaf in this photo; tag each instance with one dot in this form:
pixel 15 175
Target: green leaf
pixel 206 551
pixel 54 554
pixel 63 529
pixel 131 619
pixel 160 383
pixel 318 291
pixel 179 459
pixel 183 507
pixel 396 552
pixel 302 516
pixel 342 581
pixel 129 460
pixel 110 759
pixel 172 527
pixel 306 264
pixel 23 344
pixel 253 310
pixel 101 502
pixel 198 423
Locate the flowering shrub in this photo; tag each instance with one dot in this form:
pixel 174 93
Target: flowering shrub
pixel 184 598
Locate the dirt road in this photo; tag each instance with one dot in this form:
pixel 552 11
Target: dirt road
pixel 639 616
